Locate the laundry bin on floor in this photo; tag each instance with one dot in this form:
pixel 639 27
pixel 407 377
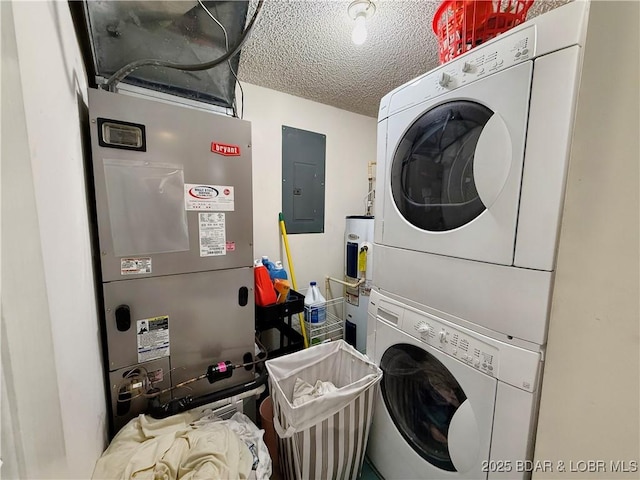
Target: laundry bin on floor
pixel 325 437
pixel 270 438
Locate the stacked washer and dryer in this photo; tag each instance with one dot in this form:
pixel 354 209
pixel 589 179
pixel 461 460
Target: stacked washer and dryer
pixel 471 172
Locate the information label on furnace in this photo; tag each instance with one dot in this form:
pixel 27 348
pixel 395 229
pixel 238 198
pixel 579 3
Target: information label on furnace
pixel 212 234
pixel 135 266
pixel 153 338
pixel 209 197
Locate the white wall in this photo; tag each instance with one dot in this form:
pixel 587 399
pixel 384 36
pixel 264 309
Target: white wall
pixel 590 396
pixel 51 352
pixel 351 144
pixel 53 410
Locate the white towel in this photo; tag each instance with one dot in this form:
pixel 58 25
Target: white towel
pixel 304 392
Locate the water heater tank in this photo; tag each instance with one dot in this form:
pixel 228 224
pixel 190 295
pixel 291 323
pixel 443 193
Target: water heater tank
pixel 358 240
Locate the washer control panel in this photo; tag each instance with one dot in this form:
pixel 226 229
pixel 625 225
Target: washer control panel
pixel 513 48
pixel 454 342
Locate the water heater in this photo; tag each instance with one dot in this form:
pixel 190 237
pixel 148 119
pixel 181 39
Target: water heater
pixel 358 239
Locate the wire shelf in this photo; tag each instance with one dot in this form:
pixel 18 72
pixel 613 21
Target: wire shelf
pixel 332 328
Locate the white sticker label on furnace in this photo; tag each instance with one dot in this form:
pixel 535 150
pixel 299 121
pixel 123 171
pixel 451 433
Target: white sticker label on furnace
pixel 212 234
pixel 135 266
pixel 153 338
pixel 208 197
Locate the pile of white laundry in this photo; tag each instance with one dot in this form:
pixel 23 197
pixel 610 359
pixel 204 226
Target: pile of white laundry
pixel 186 447
pixel 304 392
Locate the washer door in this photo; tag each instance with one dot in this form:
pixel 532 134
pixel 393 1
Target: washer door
pixel 422 398
pixel 434 414
pixel 452 169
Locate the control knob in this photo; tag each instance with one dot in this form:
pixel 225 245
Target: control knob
pixel 443 336
pixel 467 67
pixel 445 79
pixel 423 328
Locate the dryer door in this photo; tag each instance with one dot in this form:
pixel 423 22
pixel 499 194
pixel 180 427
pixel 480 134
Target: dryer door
pixel 434 414
pixel 453 167
pixel 432 181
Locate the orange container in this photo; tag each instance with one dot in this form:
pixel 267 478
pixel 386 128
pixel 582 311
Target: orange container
pixel 265 294
pixel 461 25
pixel 282 289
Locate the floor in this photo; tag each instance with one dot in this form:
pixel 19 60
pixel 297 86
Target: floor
pixel 368 473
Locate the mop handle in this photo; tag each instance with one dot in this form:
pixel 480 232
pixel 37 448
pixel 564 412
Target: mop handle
pixel 283 230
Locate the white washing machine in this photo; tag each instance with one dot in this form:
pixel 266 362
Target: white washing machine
pixel 453 404
pixel 472 162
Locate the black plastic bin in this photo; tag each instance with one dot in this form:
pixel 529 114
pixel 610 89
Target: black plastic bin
pixel 279 316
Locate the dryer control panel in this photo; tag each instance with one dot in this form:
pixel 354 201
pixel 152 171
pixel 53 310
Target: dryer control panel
pixel 484 61
pixel 480 62
pixel 470 350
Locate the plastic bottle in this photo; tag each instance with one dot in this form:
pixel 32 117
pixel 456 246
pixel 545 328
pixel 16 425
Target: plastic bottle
pixel 265 293
pixel 270 266
pixel 315 311
pixel 282 288
pixel 278 272
pixel 268 263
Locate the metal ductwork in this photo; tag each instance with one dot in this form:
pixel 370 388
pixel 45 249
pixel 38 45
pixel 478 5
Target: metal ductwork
pixel 181 32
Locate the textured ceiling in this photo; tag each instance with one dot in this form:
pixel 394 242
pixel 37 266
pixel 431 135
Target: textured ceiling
pixel 304 48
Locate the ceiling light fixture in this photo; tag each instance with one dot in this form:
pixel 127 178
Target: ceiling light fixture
pixel 359 11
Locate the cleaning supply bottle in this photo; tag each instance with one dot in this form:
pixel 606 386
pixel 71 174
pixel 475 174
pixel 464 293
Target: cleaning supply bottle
pixel 278 272
pixel 265 293
pixel 315 306
pixel 268 263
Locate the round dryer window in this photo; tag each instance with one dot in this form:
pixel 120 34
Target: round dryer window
pixel 432 179
pixel 421 396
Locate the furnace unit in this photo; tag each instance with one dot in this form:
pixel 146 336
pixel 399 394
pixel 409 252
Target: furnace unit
pixel 174 220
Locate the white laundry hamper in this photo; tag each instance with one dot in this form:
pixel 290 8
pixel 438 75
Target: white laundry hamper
pixel 325 438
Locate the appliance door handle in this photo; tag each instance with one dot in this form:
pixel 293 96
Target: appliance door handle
pixel 123 318
pixel 492 160
pixel 243 296
pixel 464 438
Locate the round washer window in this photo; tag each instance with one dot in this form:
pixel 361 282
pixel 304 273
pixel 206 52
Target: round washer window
pixel 432 171
pixel 421 396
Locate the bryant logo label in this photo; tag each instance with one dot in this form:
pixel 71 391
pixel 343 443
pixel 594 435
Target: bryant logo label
pixel 226 150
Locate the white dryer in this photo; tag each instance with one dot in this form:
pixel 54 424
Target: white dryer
pixel 453 404
pixel 472 162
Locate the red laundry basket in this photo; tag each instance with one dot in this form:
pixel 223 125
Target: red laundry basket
pixel 461 25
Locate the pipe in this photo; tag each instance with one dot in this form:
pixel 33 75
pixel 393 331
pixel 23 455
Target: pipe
pixel 178 405
pixel 327 288
pixel 369 171
pixel 371 193
pixel 346 284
